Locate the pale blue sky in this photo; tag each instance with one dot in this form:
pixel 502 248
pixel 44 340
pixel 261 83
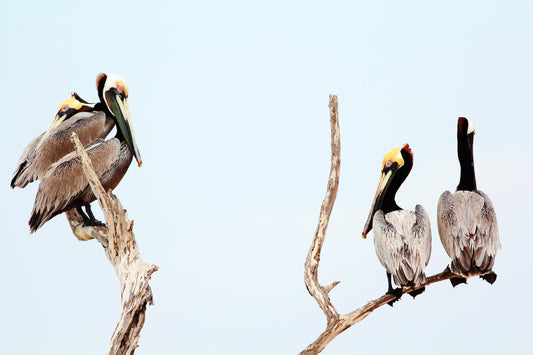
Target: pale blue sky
pixel 229 103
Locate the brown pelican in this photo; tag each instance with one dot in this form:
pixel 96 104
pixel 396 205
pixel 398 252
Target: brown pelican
pixel 74 115
pixel 64 186
pixel 467 222
pixel 402 238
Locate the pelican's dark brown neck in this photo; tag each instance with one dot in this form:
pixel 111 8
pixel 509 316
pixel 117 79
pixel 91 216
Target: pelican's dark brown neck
pixel 389 200
pixel 99 106
pixel 465 152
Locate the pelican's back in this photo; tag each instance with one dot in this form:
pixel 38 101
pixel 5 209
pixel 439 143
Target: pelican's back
pixel 468 231
pixel 403 244
pixel 39 155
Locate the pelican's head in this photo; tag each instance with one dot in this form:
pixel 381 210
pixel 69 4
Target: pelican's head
pixel 465 153
pixel 465 133
pixel 113 93
pixel 399 159
pixel 69 108
pixel 465 126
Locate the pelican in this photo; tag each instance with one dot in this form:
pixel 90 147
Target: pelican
pixel 467 222
pixel 74 115
pixel 64 186
pixel 402 238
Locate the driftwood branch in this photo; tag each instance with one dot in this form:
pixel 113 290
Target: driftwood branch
pixel 345 321
pixel 121 249
pixel 337 323
pixel 320 293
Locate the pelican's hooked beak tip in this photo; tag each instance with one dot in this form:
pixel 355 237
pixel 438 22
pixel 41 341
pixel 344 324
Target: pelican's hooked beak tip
pixel 363 235
pixel 139 163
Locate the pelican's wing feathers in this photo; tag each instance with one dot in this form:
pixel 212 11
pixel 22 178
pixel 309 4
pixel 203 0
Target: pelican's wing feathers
pixel 65 182
pixel 39 155
pixel 403 244
pixel 468 231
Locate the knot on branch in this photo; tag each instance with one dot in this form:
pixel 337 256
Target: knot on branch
pixel 328 289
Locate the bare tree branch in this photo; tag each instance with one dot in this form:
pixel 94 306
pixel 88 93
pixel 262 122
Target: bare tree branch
pixel 122 251
pixel 336 323
pixel 320 293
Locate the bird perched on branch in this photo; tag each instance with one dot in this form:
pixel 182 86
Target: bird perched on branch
pixel 402 238
pixel 63 185
pixel 466 219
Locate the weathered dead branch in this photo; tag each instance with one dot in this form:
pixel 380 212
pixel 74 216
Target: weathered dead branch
pixel 336 323
pixel 345 321
pixel 121 249
pixel 320 293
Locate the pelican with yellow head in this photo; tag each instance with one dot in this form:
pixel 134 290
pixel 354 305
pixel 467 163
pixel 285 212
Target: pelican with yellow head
pixel 402 238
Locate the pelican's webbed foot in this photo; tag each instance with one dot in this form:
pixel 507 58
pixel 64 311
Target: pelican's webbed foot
pixel 89 219
pixel 396 292
pixel 490 277
pixel 417 292
pixel 94 223
pixel 457 281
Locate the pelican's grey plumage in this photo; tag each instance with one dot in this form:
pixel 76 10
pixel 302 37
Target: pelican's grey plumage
pixel 74 115
pixel 64 186
pixel 402 238
pixel 466 219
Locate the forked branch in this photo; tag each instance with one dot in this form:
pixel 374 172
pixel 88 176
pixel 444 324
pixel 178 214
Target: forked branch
pixel 122 251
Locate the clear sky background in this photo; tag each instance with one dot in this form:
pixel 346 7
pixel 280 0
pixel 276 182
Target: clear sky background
pixel 229 102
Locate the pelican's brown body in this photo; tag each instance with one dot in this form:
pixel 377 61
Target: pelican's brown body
pixel 65 187
pixel 55 143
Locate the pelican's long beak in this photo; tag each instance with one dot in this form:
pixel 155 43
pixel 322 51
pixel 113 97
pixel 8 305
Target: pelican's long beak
pixel 67 108
pixel 55 122
pixel 70 105
pixel 384 182
pixel 58 119
pixel 118 103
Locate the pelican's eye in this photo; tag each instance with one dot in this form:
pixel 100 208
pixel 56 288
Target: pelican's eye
pixel 64 108
pixel 388 163
pixel 120 89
